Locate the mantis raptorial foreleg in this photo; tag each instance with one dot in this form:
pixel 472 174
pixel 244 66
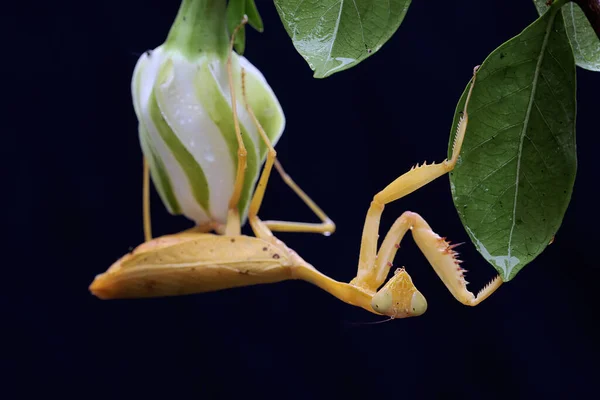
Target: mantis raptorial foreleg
pixel 374 267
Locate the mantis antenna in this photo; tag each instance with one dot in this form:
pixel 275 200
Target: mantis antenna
pixel 373 322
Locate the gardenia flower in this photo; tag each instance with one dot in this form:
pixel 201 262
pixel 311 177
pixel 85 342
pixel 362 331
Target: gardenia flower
pixel 182 100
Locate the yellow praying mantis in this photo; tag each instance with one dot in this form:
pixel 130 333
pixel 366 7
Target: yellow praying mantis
pixel 197 261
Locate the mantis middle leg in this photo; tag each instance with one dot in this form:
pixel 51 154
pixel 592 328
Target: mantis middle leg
pixel 233 226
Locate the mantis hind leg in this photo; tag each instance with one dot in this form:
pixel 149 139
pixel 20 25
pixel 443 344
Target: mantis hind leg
pixel 146 201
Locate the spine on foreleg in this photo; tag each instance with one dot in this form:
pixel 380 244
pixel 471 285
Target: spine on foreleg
pixel 443 259
pixel 417 177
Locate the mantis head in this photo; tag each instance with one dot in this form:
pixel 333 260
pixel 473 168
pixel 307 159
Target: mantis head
pixel 399 298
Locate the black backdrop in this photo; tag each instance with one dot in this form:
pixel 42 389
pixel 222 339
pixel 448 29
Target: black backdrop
pixel 72 179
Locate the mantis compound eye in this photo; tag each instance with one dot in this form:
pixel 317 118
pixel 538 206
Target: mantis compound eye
pixel 383 303
pixel 418 304
pixel 399 298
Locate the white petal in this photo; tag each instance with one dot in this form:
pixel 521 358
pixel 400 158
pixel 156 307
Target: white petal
pixel 199 134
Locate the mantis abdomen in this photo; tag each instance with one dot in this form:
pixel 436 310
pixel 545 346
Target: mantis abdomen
pixel 180 280
pixel 192 263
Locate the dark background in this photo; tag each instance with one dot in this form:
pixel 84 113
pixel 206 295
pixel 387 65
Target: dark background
pixel 71 187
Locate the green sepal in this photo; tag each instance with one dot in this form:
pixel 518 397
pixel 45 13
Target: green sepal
pixel 254 18
pixel 199 28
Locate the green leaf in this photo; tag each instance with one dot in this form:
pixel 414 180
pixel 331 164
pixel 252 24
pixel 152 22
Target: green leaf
pixel 236 9
pixel 585 42
pixel 515 174
pixel 254 18
pixel 334 35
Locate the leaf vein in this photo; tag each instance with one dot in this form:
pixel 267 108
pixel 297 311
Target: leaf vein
pixel 335 30
pixel 499 99
pixel 525 125
pixel 557 98
pixel 538 151
pixel 485 178
pixel 496 133
pixel 548 125
pixel 559 64
pixel 362 30
pixel 494 71
pixel 494 203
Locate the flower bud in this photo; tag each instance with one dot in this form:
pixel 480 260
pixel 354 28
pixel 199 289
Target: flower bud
pixel 181 96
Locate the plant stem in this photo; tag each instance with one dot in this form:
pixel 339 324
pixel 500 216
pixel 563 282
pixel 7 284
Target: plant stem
pixel 591 9
pixel 200 27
